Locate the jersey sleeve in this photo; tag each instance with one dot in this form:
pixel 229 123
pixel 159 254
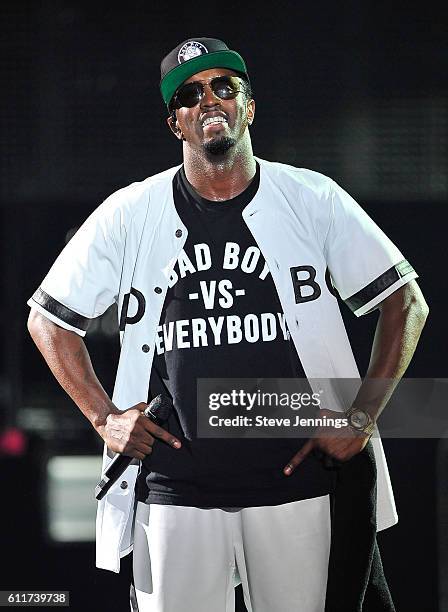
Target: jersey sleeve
pixel 84 280
pixel 364 264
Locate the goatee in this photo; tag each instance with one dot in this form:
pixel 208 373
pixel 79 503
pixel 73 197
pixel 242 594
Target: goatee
pixel 219 146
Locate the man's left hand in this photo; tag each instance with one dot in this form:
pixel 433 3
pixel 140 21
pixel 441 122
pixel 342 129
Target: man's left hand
pixel 338 443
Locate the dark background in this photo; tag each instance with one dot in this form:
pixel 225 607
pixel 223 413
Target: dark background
pixel 355 90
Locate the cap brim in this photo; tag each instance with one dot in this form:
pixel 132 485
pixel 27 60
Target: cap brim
pixel 218 59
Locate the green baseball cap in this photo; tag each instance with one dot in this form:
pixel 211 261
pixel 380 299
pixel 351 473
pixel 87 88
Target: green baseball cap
pixel 192 56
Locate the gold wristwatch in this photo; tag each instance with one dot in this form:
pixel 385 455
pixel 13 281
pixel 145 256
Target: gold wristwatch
pixel 360 420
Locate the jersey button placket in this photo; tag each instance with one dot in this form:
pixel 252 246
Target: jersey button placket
pixel 158 290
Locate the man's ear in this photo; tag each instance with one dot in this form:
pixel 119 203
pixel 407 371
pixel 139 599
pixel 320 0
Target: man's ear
pixel 250 112
pixel 174 126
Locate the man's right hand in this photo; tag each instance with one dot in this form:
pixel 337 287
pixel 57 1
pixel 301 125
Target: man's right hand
pixel 132 433
pixel 129 432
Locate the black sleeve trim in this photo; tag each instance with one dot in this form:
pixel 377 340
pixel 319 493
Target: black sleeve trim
pixel 60 311
pixel 380 284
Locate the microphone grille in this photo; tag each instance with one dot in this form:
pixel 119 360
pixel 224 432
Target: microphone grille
pixel 160 408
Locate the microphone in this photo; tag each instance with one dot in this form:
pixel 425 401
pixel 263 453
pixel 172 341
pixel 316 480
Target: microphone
pixel 158 411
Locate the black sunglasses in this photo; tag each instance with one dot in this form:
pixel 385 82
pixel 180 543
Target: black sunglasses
pixel 225 87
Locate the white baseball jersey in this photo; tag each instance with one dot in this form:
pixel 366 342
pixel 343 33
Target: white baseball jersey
pixel 304 225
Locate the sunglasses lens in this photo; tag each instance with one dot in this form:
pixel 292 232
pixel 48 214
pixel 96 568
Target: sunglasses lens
pixel 189 95
pixel 225 88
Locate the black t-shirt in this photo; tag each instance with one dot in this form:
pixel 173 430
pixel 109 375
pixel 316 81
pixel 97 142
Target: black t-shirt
pixel 222 318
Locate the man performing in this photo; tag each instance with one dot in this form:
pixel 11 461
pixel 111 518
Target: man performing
pixel 226 267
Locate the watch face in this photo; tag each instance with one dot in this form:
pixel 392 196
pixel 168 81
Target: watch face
pixel 359 419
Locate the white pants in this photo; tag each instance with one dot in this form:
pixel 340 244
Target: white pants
pixel 189 559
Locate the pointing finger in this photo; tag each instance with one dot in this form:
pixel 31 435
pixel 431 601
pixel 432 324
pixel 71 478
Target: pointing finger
pixel 162 434
pixel 299 457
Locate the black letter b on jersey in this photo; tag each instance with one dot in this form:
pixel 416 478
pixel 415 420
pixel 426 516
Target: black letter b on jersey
pixel 307 282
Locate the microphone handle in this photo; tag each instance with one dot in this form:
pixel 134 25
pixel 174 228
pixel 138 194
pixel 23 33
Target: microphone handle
pixel 118 465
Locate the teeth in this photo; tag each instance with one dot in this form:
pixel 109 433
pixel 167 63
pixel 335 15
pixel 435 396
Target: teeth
pixel 210 120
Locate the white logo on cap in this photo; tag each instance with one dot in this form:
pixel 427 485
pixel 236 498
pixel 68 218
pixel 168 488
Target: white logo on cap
pixel 190 50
